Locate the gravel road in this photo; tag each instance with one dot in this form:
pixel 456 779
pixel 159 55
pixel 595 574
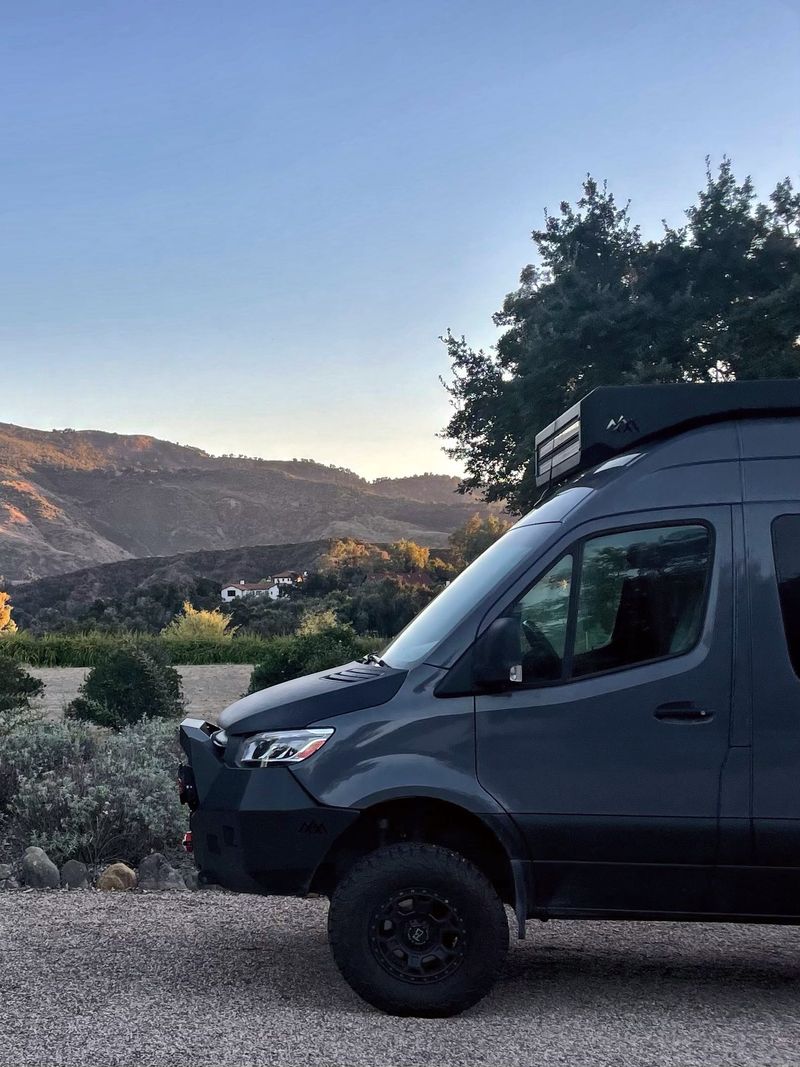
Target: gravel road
pixel 209 979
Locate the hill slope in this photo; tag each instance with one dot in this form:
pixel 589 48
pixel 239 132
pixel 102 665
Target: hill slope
pixel 71 499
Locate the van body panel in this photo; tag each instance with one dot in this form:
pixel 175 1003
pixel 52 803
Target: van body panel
pixel 594 778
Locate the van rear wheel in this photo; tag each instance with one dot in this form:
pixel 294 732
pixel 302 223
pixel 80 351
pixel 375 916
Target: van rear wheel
pixel 416 929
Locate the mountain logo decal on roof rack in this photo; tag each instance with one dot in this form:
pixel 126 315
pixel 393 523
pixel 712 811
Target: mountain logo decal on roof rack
pixel 623 425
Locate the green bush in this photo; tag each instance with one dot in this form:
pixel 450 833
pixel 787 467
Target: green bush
pixel 18 690
pixel 36 747
pixel 88 649
pixel 128 685
pixel 305 653
pixel 96 798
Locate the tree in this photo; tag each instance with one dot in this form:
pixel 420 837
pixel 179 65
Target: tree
pixel 408 556
pixel 713 300
pixel 195 624
pixel 475 536
pixel 7 624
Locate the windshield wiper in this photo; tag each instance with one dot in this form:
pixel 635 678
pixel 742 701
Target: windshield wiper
pixel 371 657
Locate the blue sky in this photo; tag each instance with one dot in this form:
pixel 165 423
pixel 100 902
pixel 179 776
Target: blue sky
pixel 244 225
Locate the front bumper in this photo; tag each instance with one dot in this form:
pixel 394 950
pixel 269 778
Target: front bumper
pixel 255 830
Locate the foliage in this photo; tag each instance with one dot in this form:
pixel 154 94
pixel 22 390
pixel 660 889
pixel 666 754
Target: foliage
pixel 315 622
pixel 18 690
pixel 715 299
pixel 98 798
pixel 128 685
pixel 408 556
pixel 475 536
pixel 89 649
pixel 7 624
pixel 387 606
pixel 292 657
pixel 349 552
pixel 203 624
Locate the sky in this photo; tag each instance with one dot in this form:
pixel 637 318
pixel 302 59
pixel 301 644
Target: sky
pixel 245 226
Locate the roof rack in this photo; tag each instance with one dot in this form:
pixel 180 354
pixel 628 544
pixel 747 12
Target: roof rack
pixel 615 418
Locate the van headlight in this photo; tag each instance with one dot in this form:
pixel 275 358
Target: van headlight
pixel 282 746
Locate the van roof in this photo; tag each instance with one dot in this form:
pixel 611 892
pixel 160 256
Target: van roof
pixel 616 418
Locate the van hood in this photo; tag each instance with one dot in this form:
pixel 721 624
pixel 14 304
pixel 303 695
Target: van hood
pixel 295 704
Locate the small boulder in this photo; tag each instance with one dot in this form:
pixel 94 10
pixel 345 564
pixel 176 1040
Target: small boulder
pixel 117 876
pixel 38 870
pixel 191 879
pixel 74 875
pixel 155 873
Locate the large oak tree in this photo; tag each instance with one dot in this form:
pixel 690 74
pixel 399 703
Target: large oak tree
pixel 716 299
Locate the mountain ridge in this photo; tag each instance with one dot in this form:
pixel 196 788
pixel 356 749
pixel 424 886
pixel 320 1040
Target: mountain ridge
pixel 75 498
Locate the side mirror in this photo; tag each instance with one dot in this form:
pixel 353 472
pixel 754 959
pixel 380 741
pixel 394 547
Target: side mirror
pixel 498 654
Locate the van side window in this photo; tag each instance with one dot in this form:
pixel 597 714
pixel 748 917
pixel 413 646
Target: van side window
pixel 640 596
pixel 786 547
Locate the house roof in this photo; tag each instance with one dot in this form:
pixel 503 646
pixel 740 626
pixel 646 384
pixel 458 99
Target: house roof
pixel 248 585
pixel 286 574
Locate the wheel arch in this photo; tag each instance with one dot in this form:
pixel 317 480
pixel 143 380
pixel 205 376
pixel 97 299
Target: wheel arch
pixel 490 841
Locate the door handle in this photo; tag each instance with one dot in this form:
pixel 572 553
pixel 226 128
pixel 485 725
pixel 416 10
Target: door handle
pixel 682 711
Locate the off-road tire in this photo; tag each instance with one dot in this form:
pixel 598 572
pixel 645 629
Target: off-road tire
pixel 475 940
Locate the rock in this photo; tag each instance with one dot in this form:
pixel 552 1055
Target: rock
pixel 74 875
pixel 38 870
pixel 9 883
pixel 191 879
pixel 155 873
pixel 117 876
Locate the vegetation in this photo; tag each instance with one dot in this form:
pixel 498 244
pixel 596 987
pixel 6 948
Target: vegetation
pixel 321 644
pixel 714 299
pixel 7 624
pixel 18 690
pixel 475 536
pixel 198 624
pixel 85 794
pixel 129 684
pixel 89 649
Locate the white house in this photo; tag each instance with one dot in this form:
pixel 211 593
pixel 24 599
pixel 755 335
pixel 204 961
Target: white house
pixel 269 587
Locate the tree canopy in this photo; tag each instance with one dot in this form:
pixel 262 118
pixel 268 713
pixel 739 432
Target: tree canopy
pixel 716 299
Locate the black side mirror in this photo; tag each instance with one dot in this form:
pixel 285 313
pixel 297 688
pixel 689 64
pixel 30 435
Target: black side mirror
pixel 498 654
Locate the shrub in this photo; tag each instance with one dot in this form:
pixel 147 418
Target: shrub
pixel 96 799
pixel 305 653
pixel 36 747
pixel 89 649
pixel 130 684
pixel 204 624
pixel 18 690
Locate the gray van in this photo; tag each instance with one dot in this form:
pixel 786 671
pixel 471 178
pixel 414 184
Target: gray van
pixel 599 718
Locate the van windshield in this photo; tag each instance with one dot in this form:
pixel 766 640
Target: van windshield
pixel 446 611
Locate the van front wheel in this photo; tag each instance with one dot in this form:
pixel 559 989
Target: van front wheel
pixel 418 930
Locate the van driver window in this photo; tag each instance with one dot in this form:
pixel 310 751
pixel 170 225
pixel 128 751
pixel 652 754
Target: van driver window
pixel 640 597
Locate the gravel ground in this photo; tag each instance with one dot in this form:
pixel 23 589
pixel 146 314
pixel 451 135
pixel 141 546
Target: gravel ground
pixel 209 979
pixel 206 690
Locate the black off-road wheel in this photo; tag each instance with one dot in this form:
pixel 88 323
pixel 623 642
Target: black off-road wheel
pixel 418 930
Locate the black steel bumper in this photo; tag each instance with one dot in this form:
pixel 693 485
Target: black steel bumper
pixel 255 830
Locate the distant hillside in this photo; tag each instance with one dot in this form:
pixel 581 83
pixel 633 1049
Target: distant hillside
pixel 73 498
pixel 67 593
